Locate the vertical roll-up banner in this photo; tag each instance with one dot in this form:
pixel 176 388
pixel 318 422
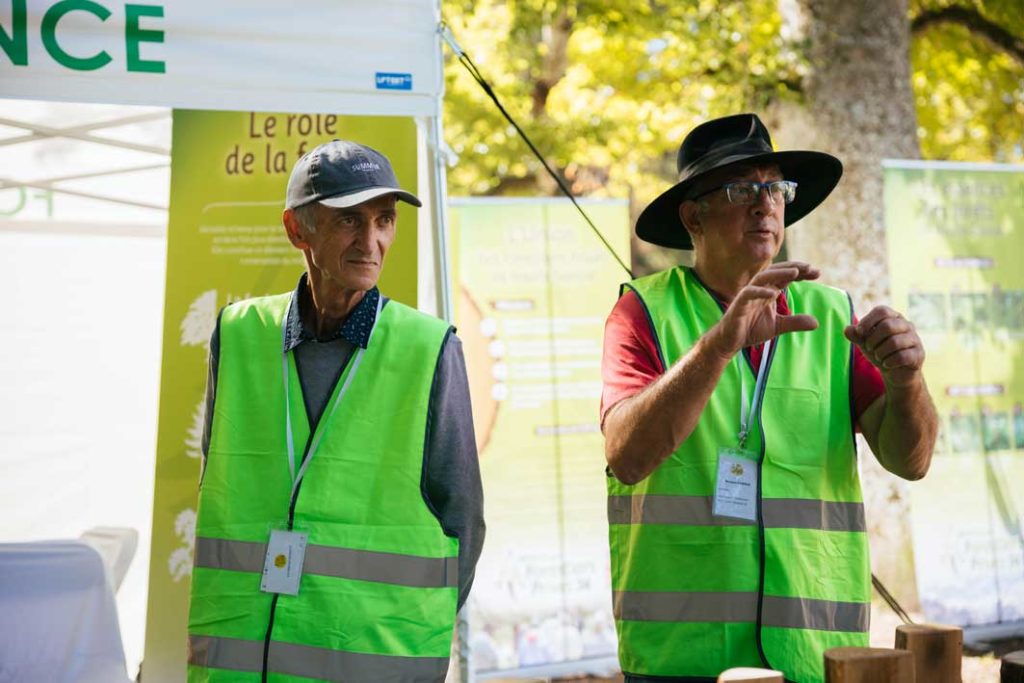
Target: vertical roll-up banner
pixel 534 287
pixel 955 236
pixel 226 242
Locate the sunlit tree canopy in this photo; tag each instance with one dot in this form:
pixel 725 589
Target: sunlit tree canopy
pixel 608 89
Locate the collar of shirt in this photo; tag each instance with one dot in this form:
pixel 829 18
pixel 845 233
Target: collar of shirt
pixel 355 330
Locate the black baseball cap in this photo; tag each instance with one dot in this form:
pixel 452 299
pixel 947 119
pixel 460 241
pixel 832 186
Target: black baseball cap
pixel 341 173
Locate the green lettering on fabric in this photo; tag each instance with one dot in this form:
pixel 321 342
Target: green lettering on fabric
pixel 15 43
pixel 134 34
pixel 49 34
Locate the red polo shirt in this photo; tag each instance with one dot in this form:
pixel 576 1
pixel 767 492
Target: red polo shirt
pixel 631 360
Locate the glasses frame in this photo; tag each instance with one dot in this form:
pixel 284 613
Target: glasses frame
pixel 786 184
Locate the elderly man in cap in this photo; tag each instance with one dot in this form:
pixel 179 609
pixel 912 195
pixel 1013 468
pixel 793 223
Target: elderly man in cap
pixel 732 393
pixel 340 506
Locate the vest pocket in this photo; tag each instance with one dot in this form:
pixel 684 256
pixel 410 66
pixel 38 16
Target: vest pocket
pixel 794 426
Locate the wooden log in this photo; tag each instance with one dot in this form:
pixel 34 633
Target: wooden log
pixel 1012 668
pixel 868 665
pixel 937 651
pixel 750 675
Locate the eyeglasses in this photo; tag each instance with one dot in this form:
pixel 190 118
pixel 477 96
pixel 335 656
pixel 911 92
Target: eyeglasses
pixel 749 192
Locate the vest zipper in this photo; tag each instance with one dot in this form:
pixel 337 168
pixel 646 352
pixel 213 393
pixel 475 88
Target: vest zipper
pixel 291 514
pixel 273 601
pixel 760 510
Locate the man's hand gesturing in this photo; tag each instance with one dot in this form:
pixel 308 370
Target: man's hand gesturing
pixel 752 317
pixel 891 343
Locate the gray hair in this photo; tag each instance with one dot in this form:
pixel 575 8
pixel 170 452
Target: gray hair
pixel 306 216
pixel 702 206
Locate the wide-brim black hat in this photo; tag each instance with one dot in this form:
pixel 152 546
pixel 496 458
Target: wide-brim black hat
pixel 731 141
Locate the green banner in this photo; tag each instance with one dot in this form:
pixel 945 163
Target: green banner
pixel 956 254
pixel 534 289
pixel 225 242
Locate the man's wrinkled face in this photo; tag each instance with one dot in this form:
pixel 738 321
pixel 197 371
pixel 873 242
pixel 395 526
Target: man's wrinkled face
pixel 349 244
pixel 753 232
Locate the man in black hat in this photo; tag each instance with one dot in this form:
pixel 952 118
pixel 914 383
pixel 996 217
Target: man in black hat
pixel 340 509
pixel 732 393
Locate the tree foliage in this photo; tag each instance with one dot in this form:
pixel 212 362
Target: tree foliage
pixel 968 77
pixel 607 89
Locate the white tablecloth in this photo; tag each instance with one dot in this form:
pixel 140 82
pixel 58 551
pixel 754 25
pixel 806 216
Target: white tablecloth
pixel 58 618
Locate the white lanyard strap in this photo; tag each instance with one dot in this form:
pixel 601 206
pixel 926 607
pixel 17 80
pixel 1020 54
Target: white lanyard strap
pixel 287 394
pixel 747 409
pixel 326 415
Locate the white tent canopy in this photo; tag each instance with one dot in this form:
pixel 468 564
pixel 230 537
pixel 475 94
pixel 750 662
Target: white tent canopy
pixel 99 171
pixel 350 57
pixel 69 164
pixel 332 56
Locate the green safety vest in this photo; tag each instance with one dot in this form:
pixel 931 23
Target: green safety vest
pixel 695 594
pixel 379 585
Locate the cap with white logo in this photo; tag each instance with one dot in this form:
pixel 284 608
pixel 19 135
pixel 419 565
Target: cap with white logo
pixel 340 173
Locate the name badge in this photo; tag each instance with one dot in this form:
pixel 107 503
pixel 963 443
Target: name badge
pixel 736 485
pixel 282 567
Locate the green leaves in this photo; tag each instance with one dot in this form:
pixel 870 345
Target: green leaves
pixel 607 89
pixel 968 82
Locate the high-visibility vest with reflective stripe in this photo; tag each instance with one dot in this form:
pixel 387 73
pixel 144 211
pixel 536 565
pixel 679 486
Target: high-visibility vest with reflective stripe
pixel 379 585
pixel 695 594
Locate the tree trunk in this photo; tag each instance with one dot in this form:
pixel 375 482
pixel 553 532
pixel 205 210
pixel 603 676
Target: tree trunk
pixel 858 106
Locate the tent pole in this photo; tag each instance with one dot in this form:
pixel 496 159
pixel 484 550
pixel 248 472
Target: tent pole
pixel 445 310
pixel 440 207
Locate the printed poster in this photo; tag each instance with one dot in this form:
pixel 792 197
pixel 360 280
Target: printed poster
pixel 956 252
pixel 533 289
pixel 225 242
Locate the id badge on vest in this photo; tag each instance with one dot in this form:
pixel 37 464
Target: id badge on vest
pixel 736 476
pixel 282 567
pixel 736 484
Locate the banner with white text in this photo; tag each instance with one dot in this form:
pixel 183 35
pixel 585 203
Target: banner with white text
pixel 533 289
pixel 955 237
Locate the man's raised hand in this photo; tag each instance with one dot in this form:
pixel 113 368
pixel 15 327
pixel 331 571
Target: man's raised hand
pixel 891 343
pixel 752 318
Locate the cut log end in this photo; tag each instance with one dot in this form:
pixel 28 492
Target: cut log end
pixel 750 675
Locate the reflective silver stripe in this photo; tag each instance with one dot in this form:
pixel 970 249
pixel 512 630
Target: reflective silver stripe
pixel 367 565
pixel 822 615
pixel 225 653
pixel 800 513
pixel 345 563
pixel 778 513
pixel 335 665
pixel 239 556
pixel 682 607
pixel 661 509
pixel 312 662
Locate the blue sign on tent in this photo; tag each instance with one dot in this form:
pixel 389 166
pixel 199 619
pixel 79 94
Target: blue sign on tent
pixel 386 81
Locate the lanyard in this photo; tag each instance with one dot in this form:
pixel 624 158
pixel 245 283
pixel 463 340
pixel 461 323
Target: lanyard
pixel 747 413
pixel 328 412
